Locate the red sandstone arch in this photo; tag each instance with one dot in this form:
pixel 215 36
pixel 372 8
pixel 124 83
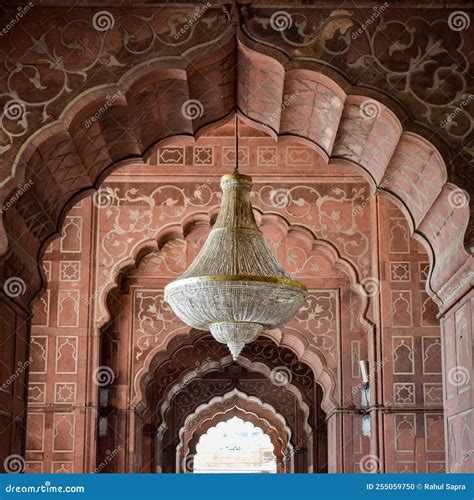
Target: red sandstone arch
pixel 246 416
pixel 397 166
pixel 166 431
pixel 173 231
pixel 282 337
pixel 232 404
pixel 253 366
pixel 432 219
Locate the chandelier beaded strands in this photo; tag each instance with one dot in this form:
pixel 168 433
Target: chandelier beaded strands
pixel 235 287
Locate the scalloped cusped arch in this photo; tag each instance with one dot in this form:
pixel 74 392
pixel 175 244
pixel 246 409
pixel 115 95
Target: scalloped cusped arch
pixel 235 403
pixel 289 338
pixel 161 101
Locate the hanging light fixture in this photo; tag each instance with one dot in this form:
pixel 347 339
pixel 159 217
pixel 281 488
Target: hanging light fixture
pixel 235 287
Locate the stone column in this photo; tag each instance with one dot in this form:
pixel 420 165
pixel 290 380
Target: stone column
pixel 457 334
pixel 14 363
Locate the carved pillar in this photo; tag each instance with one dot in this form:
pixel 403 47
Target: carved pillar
pixel 14 363
pixel 335 441
pixel 457 334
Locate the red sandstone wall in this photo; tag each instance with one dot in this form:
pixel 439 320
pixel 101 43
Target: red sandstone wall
pixel 293 183
pixel 411 342
pixel 60 341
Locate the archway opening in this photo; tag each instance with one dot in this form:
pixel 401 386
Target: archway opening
pixel 235 447
pixel 313 230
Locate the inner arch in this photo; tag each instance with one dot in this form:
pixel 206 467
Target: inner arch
pixel 235 446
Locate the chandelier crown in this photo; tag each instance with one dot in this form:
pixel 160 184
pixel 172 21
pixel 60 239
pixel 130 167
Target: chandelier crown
pixel 236 246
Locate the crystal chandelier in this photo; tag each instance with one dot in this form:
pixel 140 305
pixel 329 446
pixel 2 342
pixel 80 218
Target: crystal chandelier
pixel 235 287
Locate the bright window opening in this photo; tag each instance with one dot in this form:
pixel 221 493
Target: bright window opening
pixel 235 446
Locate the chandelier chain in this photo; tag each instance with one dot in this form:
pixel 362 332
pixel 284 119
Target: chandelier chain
pixel 236 167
